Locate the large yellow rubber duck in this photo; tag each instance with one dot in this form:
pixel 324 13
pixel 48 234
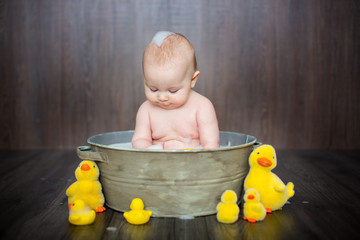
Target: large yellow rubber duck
pixel 272 190
pixel 137 215
pixel 253 209
pixel 227 209
pixel 87 187
pixel 80 214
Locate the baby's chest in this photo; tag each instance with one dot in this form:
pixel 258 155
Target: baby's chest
pixel 174 121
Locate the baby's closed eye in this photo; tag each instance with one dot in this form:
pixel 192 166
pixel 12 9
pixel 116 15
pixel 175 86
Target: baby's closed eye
pixel 173 90
pixel 153 89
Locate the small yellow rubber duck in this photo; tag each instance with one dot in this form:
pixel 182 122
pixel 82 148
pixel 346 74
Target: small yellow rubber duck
pixel 272 190
pixel 80 214
pixel 227 209
pixel 137 215
pixel 87 187
pixel 253 209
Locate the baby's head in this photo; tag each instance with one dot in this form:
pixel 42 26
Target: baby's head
pixel 170 49
pixel 170 71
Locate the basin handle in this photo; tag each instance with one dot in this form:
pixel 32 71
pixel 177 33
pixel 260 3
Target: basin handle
pixel 85 153
pixel 257 144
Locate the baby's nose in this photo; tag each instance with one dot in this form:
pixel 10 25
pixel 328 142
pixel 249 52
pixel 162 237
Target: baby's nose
pixel 163 96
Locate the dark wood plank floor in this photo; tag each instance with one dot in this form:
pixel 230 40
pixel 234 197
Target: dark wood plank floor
pixel 325 206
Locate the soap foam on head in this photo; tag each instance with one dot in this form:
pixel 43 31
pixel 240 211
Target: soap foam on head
pixel 160 36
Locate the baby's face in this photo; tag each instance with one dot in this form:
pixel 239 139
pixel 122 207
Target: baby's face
pixel 168 87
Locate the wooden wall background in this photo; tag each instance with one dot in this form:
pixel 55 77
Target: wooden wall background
pixel 285 71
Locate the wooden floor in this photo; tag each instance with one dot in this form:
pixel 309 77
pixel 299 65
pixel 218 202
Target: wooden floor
pixel 325 206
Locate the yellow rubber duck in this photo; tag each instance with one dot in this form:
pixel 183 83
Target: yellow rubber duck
pixel 80 214
pixel 272 190
pixel 253 209
pixel 137 215
pixel 227 209
pixel 87 187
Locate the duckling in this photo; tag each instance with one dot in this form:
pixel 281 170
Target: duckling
pixel 272 190
pixel 137 215
pixel 253 209
pixel 87 187
pixel 227 209
pixel 80 214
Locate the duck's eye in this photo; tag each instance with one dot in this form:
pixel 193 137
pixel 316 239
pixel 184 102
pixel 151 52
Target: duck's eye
pixel 94 166
pixel 258 153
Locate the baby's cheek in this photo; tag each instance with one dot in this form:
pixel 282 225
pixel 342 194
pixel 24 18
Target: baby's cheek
pixel 180 98
pixel 149 96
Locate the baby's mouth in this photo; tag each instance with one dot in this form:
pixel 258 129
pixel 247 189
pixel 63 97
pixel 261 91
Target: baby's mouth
pixel 165 104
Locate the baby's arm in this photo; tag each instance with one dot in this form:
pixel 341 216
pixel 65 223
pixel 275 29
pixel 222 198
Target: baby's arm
pixel 208 125
pixel 142 134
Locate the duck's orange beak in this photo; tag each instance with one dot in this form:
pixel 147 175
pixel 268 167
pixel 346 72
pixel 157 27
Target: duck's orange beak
pixel 251 196
pixel 264 162
pixel 70 206
pixel 85 167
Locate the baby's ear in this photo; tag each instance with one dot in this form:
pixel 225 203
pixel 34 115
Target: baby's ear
pixel 194 78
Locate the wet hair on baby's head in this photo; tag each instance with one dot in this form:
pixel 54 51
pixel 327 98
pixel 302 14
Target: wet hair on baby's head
pixel 167 47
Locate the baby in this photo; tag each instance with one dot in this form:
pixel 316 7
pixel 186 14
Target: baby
pixel 174 116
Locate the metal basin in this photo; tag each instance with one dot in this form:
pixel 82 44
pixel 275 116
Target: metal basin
pixel 171 183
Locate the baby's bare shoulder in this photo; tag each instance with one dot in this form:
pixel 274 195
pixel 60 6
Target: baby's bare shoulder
pixel 201 100
pixel 145 106
pixel 143 111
